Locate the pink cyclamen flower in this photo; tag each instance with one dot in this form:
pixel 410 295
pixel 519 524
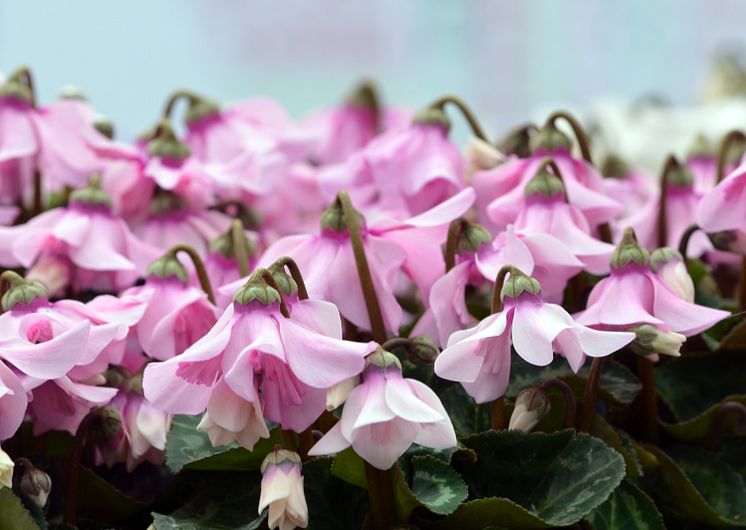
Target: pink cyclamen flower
pixel 282 491
pixel 103 253
pixel 633 294
pixel 479 357
pixel 256 356
pixel 722 211
pixel 632 187
pixel 387 413
pixel 411 169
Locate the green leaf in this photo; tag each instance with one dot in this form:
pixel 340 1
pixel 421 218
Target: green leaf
pixel 101 502
pixel 558 478
pixel 436 485
pixel 348 466
pixel 489 513
pixel 691 385
pixel 223 501
pixel 697 429
pixel 735 339
pixel 12 513
pixel 467 416
pixel 602 430
pixel 333 504
pixel 187 447
pixel 698 487
pixel 628 508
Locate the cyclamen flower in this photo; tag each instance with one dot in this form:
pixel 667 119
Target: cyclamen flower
pixel 633 188
pixel 387 413
pixel 633 294
pixel 282 491
pixel 479 357
pixel 256 356
pixel 722 211
pixel 103 254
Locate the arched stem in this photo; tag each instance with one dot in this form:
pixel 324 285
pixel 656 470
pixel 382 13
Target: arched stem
pixel 569 397
pixel 727 409
pixel 476 128
pixel 174 98
pixel 23 73
pixel 670 164
pixel 577 129
pixel 240 250
pixel 728 141
pixel 352 222
pixel 454 234
pixel 199 266
pixel 265 275
pixel 684 241
pixel 292 266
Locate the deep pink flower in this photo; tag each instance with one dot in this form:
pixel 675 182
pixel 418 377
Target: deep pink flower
pixel 254 353
pixel 479 357
pixel 387 413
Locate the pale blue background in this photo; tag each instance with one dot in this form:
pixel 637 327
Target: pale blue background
pixel 505 57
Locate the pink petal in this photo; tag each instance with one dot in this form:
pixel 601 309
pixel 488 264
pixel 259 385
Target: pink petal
pixel 402 401
pixel 682 316
pixel 382 444
pixel 332 442
pixel 13 402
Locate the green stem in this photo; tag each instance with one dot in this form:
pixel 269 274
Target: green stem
pixel 240 250
pixel 292 266
pixel 588 405
pixel 476 128
pixel 352 222
pixel 580 135
pixel 199 266
pixel 730 139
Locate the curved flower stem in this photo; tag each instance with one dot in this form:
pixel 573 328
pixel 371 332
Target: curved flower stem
pixel 497 407
pixel 292 266
pixel 396 342
pixel 240 251
pixel 243 212
pixel 454 233
pixel 381 486
pixel 38 204
pixel 569 397
pixel 684 241
pixel 670 164
pixel 175 96
pixel 269 280
pixel 70 513
pixel 476 128
pixel 548 162
pixel 588 405
pixel 580 135
pixel 649 400
pixel 721 415
pixel 728 141
pixel 199 266
pixel 361 261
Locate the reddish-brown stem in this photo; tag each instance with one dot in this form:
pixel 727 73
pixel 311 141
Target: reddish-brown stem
pixel 648 399
pixel 240 249
pixel 577 129
pixel 568 396
pixel 454 234
pixel 727 409
pixel 588 405
pixel 381 487
pixel 295 273
pixel 670 164
pixel 269 280
pixel 476 128
pixel 728 141
pixel 199 267
pixel 497 414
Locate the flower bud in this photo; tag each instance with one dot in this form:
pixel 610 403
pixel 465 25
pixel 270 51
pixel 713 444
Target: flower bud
pixel 518 283
pixel 531 405
pixel 651 340
pixel 282 491
pixel 517 141
pixel 483 155
pixel 256 290
pixel 167 145
pixel 34 484
pixel 422 351
pixel 21 291
pixel 284 281
pixel 168 266
pixel 383 359
pixel 472 237
pixel 432 116
pixel 6 470
pixel 106 425
pixel 92 194
pixel 629 251
pixel 671 269
pixel 337 394
pixel 54 272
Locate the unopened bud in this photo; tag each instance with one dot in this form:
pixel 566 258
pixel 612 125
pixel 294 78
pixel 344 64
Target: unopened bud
pixel 34 484
pixel 671 269
pixel 6 470
pixel 337 394
pixel 517 141
pixel 531 405
pixel 422 351
pixel 54 272
pixel 483 155
pixel 104 125
pixel 284 281
pixel 651 340
pixel 256 290
pixel 432 116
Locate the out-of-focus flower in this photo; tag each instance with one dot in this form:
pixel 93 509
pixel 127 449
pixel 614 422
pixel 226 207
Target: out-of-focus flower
pixel 531 405
pixel 6 470
pixel 670 267
pixel 387 413
pixel 282 491
pixel 722 212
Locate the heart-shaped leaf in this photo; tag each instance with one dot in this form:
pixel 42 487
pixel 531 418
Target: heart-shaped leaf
pixel 12 513
pixel 697 429
pixel 436 485
pixel 629 508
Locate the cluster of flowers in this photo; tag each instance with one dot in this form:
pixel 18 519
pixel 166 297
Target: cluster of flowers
pixel 312 243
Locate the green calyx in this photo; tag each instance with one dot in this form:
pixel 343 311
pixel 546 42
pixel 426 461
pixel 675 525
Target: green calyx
pixel 661 256
pixel 20 290
pixel 614 167
pixel 680 176
pixel 518 283
pixel 257 290
pixel 165 201
pixel 92 194
pixel 165 144
pixel 104 125
pixel 278 456
pixel 383 359
pixel 168 266
pixel 224 245
pixel 432 116
pixel 365 96
pixel 550 139
pixel 16 90
pixel 517 141
pixel 201 108
pixel 544 183
pixel 333 218
pixel 629 251
pixel 701 147
pixel 472 237
pixel 285 283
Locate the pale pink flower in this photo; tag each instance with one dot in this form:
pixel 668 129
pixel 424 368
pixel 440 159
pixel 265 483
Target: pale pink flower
pixel 722 211
pixel 282 491
pixel 479 357
pixel 387 413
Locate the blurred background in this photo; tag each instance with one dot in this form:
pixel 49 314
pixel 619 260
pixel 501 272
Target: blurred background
pixel 509 59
